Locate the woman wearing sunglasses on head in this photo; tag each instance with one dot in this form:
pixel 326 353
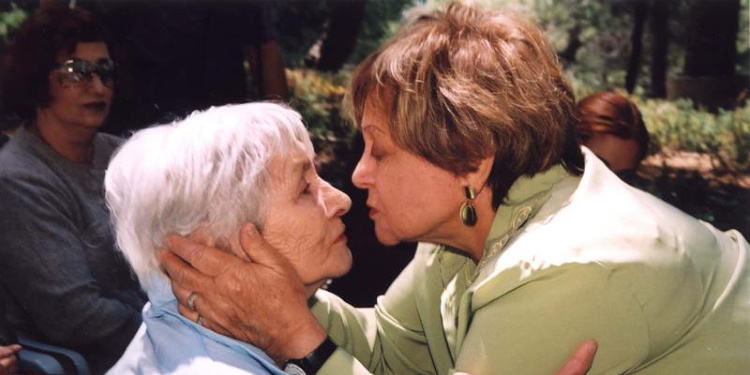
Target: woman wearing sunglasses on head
pixel 62 280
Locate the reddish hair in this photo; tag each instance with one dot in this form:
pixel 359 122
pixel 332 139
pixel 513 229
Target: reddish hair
pixel 611 113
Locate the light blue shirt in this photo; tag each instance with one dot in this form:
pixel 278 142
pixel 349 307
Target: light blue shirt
pixel 167 343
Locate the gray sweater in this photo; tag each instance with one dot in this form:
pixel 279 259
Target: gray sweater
pixel 63 280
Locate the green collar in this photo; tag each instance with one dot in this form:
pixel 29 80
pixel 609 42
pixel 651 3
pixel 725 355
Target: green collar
pixel 525 197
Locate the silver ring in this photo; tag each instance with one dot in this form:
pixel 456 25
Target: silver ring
pixel 199 321
pixel 191 300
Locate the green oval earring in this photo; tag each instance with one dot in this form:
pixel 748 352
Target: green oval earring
pixel 468 212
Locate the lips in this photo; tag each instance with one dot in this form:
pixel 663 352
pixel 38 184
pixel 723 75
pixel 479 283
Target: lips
pixel 96 106
pixel 373 211
pixel 341 236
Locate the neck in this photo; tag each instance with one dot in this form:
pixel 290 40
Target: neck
pixel 471 239
pixel 72 143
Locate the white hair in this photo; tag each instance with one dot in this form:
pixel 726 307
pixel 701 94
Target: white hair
pixel 208 170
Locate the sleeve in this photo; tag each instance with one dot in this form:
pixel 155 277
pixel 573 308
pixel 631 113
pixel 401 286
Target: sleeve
pixel 46 271
pixel 534 328
pixel 386 339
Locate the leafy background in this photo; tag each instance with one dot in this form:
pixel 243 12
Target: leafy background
pixel 700 160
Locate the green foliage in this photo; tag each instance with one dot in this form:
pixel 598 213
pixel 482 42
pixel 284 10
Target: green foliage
pixel 678 126
pixel 380 23
pixel 300 24
pixel 319 98
pixel 10 20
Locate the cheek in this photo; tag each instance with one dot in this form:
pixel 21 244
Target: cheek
pixel 299 238
pixel 415 202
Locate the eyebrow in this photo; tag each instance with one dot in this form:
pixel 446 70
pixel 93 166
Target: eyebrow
pixel 300 168
pixel 371 129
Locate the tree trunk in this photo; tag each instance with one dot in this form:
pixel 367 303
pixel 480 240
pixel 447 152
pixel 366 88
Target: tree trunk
pixel 568 56
pixel 636 41
pixel 341 34
pixel 711 48
pixel 659 47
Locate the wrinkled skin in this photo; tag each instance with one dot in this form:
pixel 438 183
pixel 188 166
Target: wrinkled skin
pixel 263 301
pixel 229 288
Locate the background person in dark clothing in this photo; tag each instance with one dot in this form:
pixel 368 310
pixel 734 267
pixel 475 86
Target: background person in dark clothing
pixel 182 56
pixel 63 280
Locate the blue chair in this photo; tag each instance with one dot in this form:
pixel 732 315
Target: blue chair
pixel 39 358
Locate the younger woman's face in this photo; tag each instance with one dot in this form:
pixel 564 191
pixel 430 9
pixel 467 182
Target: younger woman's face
pixel 303 220
pixel 410 199
pixel 83 104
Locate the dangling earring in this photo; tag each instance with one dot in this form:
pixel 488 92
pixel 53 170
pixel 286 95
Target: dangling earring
pixel 468 212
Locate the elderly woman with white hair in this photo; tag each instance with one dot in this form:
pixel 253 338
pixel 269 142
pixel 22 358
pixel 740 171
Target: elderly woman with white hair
pixel 204 177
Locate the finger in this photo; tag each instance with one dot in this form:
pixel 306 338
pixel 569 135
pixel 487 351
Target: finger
pixel 191 315
pixel 9 350
pixel 209 260
pixel 181 273
pixel 582 360
pixel 208 320
pixel 257 249
pixel 182 294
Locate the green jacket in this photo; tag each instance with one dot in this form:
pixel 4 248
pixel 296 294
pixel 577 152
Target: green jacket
pixel 567 259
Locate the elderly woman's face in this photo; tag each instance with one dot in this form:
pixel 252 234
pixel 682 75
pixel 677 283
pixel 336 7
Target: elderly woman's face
pixel 80 104
pixel 304 220
pixel 409 198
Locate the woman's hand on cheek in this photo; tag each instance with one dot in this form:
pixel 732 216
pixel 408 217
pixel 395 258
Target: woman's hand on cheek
pixel 262 302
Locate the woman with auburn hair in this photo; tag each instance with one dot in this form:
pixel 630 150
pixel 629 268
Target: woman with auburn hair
pixel 611 127
pixel 62 281
pixel 525 249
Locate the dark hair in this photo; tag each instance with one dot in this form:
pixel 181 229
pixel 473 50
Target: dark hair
pixel 463 84
pixel 611 113
pixel 35 51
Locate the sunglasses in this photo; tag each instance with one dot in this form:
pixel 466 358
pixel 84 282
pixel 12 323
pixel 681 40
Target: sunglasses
pixel 75 72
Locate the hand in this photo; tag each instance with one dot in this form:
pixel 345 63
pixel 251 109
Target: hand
pixel 261 302
pixel 578 364
pixel 8 361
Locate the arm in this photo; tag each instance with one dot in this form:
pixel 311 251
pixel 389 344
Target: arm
pixel 47 270
pixel 275 308
pixel 552 314
pixel 387 339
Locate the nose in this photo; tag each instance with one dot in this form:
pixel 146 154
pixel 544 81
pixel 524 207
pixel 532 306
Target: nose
pixel 362 175
pixel 97 85
pixel 336 203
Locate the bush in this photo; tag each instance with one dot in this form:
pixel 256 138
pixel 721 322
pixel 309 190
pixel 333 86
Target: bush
pixel 679 126
pixel 319 98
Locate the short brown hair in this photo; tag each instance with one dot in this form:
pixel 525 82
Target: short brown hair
pixel 463 84
pixel 611 113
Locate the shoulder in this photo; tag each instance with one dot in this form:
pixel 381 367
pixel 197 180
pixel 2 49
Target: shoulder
pixel 611 223
pixel 108 143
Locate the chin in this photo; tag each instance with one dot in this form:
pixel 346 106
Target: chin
pixel 386 238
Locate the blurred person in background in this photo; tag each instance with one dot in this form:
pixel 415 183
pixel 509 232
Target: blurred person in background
pixel 184 56
pixel 611 127
pixel 64 282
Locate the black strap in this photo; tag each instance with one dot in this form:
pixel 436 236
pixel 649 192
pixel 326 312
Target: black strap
pixel 312 363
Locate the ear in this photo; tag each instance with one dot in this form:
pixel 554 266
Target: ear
pixel 478 178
